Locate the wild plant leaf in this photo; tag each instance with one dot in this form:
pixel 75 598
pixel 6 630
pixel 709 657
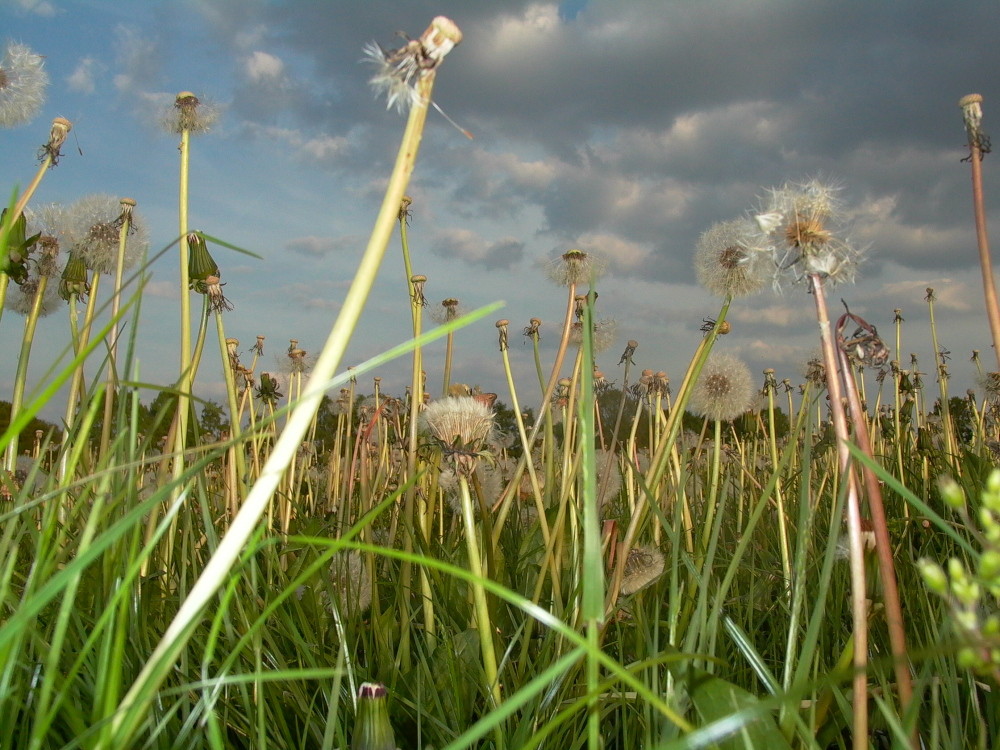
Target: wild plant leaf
pixel 733 718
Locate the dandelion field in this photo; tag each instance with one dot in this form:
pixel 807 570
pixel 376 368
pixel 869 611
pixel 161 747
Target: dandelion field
pixel 721 560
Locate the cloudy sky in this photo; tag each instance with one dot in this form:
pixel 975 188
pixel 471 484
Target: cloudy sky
pixel 623 128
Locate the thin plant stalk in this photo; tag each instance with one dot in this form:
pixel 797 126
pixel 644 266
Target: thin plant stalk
pixel 659 459
pixel 883 550
pixel 481 607
pixel 973 113
pixel 21 374
pixel 135 703
pixel 859 605
pixel 112 384
pixel 529 466
pixel 772 442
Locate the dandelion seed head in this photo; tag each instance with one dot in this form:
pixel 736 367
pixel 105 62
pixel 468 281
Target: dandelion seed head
pixel 462 422
pixel 724 390
pixel 22 85
pixel 731 260
pixel 95 223
pixel 449 309
pixel 398 71
pixel 642 567
pixel 189 113
pixel 351 582
pixel 605 331
pixel 804 224
pixel 21 297
pixel 393 80
pixel 576 268
pixel 609 477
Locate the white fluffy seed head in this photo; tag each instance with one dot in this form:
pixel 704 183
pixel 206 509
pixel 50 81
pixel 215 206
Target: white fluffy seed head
pixel 724 389
pixel 22 85
pixel 730 259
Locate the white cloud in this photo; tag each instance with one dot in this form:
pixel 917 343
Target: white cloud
pixel 138 59
pixel 261 66
pixel 164 289
pixel 82 77
pixel 318 247
pixel 776 315
pixel 38 7
pixel 317 149
pixel 948 293
pixel 620 253
pixel 470 247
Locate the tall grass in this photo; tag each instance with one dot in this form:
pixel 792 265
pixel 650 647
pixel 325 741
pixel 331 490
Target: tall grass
pixel 609 571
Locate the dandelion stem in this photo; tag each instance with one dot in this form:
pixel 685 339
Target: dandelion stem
pixel 133 707
pixel 859 605
pixel 21 375
pixel 982 240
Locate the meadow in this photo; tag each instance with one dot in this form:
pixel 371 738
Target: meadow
pixel 583 560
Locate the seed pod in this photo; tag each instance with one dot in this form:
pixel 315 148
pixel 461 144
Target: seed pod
pixel 201 265
pixel 74 278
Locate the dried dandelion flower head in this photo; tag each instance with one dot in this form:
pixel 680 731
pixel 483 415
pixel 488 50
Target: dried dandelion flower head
pixel 96 222
pixel 351 582
pixel 642 567
pixel 450 309
pixel 815 372
pixel 724 389
pixel 51 149
pixel 461 425
pixel 39 260
pixel 990 383
pixel 609 477
pixel 21 298
pixel 399 70
pixel 189 113
pixel 576 268
pixel 730 259
pixel 22 85
pixel 804 223
pixel 604 331
pixel 972 114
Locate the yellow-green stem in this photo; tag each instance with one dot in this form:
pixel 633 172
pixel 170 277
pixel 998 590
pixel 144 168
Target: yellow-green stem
pixel 140 695
pixel 21 375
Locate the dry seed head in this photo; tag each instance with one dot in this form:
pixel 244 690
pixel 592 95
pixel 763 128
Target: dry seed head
pixel 21 298
pixel 351 582
pixel 399 70
pixel 803 222
pixel 57 136
pixel 724 389
pixel 461 422
pixel 22 85
pixel 575 268
pixel 604 334
pixel 972 113
pixel 189 113
pixel 96 222
pixel 450 309
pixel 642 567
pixel 730 260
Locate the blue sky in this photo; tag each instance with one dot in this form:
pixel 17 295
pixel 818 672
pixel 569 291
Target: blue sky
pixel 623 128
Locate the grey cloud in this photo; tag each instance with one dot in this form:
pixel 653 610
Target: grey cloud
pixel 319 247
pixel 467 246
